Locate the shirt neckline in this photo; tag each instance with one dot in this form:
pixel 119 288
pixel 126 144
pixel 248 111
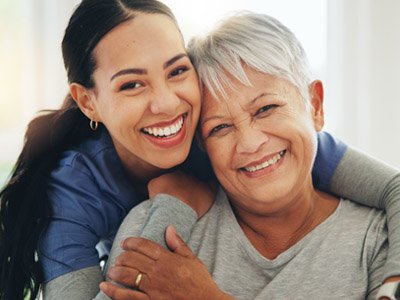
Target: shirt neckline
pixel 248 248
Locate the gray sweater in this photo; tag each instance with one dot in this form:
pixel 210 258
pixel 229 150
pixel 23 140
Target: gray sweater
pixel 342 258
pixel 358 177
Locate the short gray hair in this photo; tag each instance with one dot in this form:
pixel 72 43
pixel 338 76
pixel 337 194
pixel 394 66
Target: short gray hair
pixel 257 40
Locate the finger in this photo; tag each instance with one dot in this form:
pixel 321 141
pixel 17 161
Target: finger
pixel 135 261
pixel 176 244
pixel 123 275
pixel 120 293
pixel 144 246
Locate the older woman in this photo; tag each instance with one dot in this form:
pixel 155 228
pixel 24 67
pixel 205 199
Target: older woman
pixel 270 233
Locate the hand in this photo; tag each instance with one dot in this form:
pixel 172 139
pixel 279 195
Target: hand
pixel 195 193
pixel 393 279
pixel 165 275
pixel 390 279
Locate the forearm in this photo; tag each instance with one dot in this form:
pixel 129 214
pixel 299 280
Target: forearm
pixel 178 268
pixel 150 219
pixel 167 210
pixel 392 206
pixel 370 182
pixel 78 285
pixel 364 179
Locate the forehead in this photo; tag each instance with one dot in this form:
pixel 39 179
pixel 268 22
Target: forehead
pixel 145 37
pixel 239 95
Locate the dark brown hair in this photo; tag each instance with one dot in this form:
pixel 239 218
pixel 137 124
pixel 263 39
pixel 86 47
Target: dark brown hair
pixel 25 210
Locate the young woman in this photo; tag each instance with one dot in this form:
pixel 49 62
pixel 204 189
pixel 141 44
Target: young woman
pixel 130 116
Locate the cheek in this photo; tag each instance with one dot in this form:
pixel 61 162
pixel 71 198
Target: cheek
pixel 302 137
pixel 190 91
pixel 220 154
pixel 212 152
pixel 126 113
pixel 311 146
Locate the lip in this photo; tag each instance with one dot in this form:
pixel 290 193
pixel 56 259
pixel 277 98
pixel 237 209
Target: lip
pixel 172 141
pixel 265 158
pixel 168 123
pixel 267 170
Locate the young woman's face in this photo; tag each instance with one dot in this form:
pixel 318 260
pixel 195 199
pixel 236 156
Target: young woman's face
pixel 146 92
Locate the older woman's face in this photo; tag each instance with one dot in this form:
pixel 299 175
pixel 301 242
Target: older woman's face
pixel 262 140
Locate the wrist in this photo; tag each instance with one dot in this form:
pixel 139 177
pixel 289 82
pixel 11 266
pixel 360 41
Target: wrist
pixel 392 279
pixel 226 297
pixel 220 295
pixel 389 291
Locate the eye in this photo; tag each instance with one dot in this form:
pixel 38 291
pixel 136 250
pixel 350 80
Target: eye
pixel 130 86
pixel 218 128
pixel 265 109
pixel 178 71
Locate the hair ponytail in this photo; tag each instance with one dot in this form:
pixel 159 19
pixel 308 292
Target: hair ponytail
pixel 25 210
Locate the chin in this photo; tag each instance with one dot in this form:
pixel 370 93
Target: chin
pixel 171 162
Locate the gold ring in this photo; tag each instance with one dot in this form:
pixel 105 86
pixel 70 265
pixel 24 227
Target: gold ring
pixel 138 280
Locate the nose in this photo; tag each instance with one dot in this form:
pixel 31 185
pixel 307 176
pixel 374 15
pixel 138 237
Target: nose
pixel 164 101
pixel 250 139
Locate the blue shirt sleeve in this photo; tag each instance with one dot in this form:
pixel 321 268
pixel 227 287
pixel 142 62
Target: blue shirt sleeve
pixel 82 214
pixel 330 152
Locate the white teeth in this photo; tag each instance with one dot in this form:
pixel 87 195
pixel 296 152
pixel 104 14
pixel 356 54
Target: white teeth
pixel 265 164
pixel 165 131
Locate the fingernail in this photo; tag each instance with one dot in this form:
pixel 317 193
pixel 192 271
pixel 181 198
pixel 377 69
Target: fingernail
pixel 172 228
pixel 103 286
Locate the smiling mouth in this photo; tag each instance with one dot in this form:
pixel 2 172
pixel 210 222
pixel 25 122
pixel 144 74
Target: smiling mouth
pixel 272 161
pixel 166 131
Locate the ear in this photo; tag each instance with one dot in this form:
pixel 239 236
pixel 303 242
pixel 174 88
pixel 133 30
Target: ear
pixel 317 100
pixel 84 98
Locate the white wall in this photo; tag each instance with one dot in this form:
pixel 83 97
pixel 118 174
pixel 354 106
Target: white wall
pixel 363 96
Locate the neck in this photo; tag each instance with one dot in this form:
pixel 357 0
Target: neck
pixel 140 175
pixel 275 232
pixel 139 171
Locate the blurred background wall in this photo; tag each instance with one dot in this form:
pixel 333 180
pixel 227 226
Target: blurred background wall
pixel 352 45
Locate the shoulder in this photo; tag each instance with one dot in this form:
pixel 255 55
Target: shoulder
pixel 138 214
pixel 365 224
pixel 89 194
pixel 361 219
pixel 362 215
pixel 329 154
pixel 91 152
pixel 93 159
pixel 91 175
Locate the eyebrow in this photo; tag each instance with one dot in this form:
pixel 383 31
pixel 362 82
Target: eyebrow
pixel 129 71
pixel 139 71
pixel 211 118
pixel 248 105
pixel 174 59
